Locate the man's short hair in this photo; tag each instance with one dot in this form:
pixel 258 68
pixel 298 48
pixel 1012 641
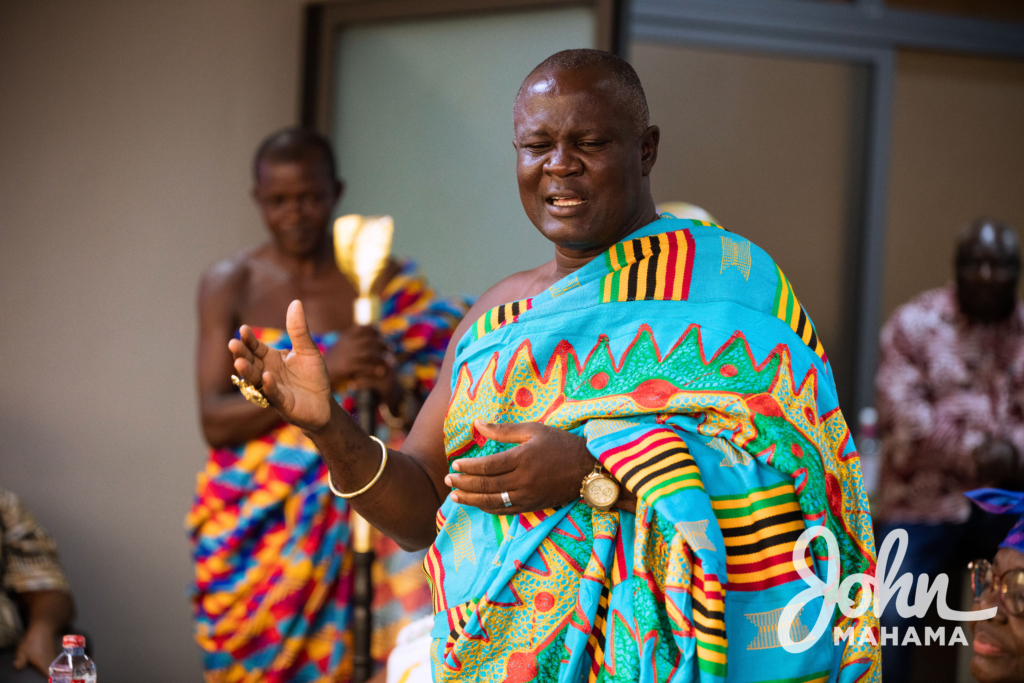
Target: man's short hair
pixel 293 145
pixel 633 98
pixel 1001 237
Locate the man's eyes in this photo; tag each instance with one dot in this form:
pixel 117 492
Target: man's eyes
pixel 304 199
pixel 583 144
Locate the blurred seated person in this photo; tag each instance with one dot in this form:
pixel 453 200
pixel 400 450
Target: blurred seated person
pixel 949 388
pixel 35 603
pixel 999 642
pixel 269 540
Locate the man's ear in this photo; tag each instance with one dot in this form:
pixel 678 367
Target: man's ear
pixel 339 190
pixel 649 149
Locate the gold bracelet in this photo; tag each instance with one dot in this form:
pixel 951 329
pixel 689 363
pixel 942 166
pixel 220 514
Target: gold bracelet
pixel 383 462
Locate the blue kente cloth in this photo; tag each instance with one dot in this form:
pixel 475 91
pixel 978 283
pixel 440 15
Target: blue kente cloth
pixel 686 361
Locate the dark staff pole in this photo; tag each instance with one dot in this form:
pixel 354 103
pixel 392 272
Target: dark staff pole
pixel 362 548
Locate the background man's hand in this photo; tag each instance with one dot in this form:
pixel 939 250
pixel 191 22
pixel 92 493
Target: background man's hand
pixel 38 648
pixel 362 360
pixel 359 353
pixel 998 463
pixel 545 471
pixel 295 382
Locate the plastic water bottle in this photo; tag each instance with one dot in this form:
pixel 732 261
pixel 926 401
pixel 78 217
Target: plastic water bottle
pixel 73 666
pixel 869 447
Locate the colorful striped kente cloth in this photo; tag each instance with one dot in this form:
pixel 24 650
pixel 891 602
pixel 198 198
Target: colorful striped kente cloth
pixel 270 541
pixel 686 361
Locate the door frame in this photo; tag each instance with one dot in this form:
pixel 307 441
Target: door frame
pixel 325 21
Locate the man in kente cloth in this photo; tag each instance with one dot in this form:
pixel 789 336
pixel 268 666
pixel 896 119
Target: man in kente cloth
pixel 667 358
pixel 273 575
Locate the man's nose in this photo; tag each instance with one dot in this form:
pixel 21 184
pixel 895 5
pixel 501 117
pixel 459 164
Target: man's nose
pixel 291 206
pixel 562 162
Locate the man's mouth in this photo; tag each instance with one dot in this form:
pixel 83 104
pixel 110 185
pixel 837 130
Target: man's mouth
pixel 984 646
pixel 565 201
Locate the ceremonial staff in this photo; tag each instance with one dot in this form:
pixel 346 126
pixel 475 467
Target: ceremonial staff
pixel 362 245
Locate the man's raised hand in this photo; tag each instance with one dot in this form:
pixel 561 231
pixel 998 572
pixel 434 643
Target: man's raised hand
pixel 294 382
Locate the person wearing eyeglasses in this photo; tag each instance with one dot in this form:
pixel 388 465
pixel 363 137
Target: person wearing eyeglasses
pixel 950 392
pixel 999 641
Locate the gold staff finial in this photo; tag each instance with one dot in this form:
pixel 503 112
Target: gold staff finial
pixel 362 246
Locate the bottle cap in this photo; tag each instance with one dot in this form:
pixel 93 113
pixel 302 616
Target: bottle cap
pixel 74 641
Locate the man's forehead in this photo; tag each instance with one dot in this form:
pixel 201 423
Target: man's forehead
pixel 989 240
pixel 278 176
pixel 590 95
pixel 307 164
pixel 549 82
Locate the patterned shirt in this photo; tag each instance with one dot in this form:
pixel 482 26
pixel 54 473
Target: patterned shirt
pixel 28 562
pixel 944 387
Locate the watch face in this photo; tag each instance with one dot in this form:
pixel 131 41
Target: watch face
pixel 602 491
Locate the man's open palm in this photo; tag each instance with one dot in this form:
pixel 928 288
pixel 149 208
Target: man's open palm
pixel 295 382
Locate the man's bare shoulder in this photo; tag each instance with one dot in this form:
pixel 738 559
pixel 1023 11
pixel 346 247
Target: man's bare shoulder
pixel 226 278
pixel 230 272
pixel 521 285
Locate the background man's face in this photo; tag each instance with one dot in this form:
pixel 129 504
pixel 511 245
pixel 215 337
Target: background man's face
pixel 296 199
pixel 578 159
pixel 987 272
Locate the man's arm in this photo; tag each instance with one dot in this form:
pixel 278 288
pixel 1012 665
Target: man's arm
pixel 49 612
pixel 405 500
pixel 227 418
pixel 32 575
pixel 902 392
pixel 403 503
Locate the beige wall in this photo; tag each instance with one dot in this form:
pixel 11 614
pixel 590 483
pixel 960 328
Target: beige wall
pixel 126 130
pixel 957 155
pixel 765 144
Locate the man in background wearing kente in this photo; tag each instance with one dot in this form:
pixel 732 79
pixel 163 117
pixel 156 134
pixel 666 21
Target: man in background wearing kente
pixel 269 541
pixel 626 443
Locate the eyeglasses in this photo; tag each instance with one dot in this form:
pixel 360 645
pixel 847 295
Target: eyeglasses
pixel 1008 586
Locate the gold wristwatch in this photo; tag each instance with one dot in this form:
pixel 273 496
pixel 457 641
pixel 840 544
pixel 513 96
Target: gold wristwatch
pixel 600 490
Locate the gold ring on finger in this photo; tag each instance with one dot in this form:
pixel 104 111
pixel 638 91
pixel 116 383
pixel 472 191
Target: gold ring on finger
pixel 251 393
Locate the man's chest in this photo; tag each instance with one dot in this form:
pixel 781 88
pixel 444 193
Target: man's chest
pixel 982 364
pixel 327 302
